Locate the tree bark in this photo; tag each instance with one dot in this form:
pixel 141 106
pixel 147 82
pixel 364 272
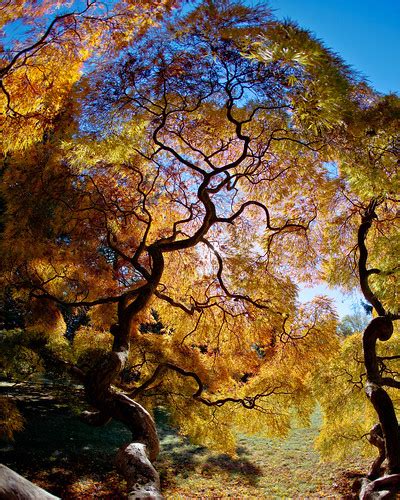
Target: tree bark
pixel 15 487
pixel 381 328
pixel 382 488
pixel 134 459
pixel 142 478
pixel 376 439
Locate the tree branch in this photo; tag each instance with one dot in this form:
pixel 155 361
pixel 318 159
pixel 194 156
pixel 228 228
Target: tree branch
pixel 366 222
pixel 237 296
pixel 248 402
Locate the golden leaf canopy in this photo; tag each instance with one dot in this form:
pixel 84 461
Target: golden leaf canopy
pixel 178 167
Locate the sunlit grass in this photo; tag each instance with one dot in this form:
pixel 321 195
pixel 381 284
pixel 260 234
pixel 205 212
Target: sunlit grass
pixel 265 468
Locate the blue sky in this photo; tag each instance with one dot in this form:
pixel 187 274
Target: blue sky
pixel 365 33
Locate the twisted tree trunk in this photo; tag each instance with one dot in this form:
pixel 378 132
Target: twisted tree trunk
pixel 385 435
pixel 381 328
pixel 133 459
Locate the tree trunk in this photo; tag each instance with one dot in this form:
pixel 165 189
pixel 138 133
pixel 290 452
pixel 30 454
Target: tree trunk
pixel 15 487
pixel 134 459
pixel 381 328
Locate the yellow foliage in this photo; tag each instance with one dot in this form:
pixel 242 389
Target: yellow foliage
pixel 234 364
pixel 89 338
pixel 103 316
pixel 46 319
pixel 11 420
pixel 348 416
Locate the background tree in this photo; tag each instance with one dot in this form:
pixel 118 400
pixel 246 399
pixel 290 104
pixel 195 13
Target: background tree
pixel 355 322
pixel 366 207
pixel 191 182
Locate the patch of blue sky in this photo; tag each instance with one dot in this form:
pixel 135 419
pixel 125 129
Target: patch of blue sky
pixel 15 31
pixel 345 304
pixel 331 169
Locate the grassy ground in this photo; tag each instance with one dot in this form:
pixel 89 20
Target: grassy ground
pixel 75 461
pixel 266 468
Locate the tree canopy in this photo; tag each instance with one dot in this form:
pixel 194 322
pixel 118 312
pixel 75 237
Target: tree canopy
pixel 44 48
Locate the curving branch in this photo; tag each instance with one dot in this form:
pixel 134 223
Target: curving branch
pixel 171 150
pixel 248 402
pixel 76 303
pixel 188 310
pixel 209 219
pixel 260 304
pixel 275 229
pixel 366 222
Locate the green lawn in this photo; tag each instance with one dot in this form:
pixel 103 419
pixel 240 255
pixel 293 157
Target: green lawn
pixel 75 461
pixel 266 468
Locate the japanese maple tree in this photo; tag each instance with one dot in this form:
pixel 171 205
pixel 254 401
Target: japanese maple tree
pixel 177 196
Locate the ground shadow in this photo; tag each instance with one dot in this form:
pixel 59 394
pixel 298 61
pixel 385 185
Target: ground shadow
pixel 57 450
pixel 180 457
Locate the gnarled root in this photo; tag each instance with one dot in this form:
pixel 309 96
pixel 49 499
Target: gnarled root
pixel 376 438
pixel 142 478
pixel 381 488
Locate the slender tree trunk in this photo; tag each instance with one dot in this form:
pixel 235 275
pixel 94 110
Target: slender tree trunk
pixel 381 328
